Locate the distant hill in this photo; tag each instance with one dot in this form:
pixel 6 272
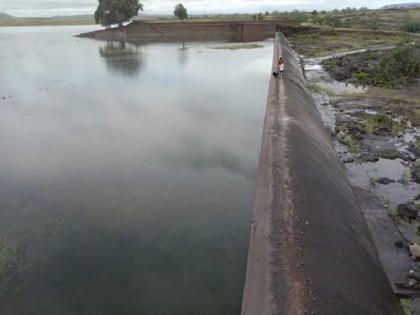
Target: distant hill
pixel 402 6
pixel 74 17
pixel 60 17
pixel 5 16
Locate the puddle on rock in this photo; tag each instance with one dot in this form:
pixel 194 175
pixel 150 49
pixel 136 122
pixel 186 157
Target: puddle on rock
pixel 397 192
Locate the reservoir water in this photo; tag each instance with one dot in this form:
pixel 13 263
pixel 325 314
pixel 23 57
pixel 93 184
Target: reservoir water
pixel 127 173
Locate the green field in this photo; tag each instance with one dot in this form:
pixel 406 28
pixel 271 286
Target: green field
pixel 44 21
pixel 392 20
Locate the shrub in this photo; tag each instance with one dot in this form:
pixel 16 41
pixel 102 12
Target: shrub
pixel 399 67
pixel 411 27
pixel 379 124
pixel 360 78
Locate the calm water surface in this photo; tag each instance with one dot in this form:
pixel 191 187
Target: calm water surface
pixel 127 173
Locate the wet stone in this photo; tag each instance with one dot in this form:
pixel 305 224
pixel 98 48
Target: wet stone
pixel 385 181
pixel 405 156
pixel 414 251
pixel 406 211
pixel 416 174
pixel 368 157
pixel 414 149
pixel 348 160
pixel 390 154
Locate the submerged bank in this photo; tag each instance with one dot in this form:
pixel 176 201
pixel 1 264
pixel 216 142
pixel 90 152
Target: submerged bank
pixel 127 173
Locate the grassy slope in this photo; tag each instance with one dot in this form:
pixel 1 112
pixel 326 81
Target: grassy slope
pixel 384 19
pixel 378 19
pixel 326 42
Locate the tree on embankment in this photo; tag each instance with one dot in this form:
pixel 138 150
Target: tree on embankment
pixel 181 12
pixel 111 12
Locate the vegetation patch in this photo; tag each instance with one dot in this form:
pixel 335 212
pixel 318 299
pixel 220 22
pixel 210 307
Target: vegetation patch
pixel 323 42
pixel 237 47
pixel 319 89
pixel 9 254
pixel 383 125
pixel 405 178
pixel 411 27
pixel 397 68
pixel 364 18
pixel 379 124
pixel 373 181
pixel 315 87
pixel 352 144
pixel 406 303
pixel 360 78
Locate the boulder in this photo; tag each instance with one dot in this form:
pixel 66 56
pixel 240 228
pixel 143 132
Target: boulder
pixel 414 251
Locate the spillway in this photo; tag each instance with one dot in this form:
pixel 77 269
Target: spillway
pixel 310 248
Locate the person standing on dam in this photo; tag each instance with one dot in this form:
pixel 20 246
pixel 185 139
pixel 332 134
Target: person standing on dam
pixel 280 68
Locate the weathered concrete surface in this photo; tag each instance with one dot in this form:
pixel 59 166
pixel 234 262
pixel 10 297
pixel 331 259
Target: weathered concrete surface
pixel 396 261
pixel 195 31
pixel 310 249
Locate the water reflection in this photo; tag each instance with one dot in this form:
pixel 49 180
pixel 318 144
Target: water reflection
pixel 183 54
pixel 121 57
pixel 126 196
pixel 196 155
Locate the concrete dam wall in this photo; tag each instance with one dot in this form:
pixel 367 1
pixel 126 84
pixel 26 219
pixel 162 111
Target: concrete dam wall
pixel 310 249
pixel 194 31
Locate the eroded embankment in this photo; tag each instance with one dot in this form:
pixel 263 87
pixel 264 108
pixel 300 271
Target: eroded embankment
pixel 195 31
pixel 310 249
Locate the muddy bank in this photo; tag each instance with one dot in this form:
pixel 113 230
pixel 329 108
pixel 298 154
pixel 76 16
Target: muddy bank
pixel 195 31
pixel 310 250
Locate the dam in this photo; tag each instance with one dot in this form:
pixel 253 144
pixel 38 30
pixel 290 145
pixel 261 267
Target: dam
pixel 310 249
pixel 232 31
pixel 129 171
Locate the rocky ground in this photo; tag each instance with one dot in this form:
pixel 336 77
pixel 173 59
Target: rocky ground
pixel 377 136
